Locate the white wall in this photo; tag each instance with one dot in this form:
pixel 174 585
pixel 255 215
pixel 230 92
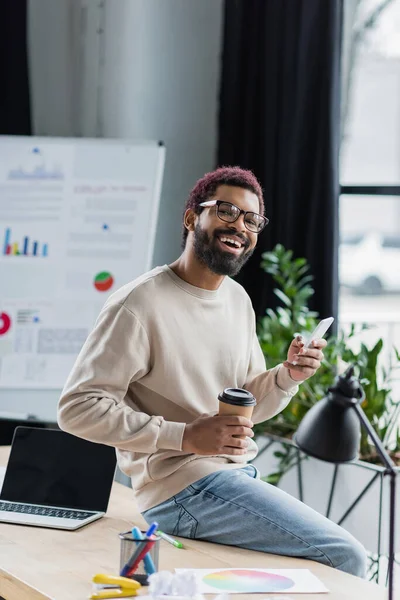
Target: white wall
pixel 151 73
pixel 145 69
pixel 53 43
pixel 160 80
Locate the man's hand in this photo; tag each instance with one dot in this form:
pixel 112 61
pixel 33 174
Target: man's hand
pixel 214 435
pixel 304 362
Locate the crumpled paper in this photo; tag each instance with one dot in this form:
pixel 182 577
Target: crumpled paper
pixel 177 586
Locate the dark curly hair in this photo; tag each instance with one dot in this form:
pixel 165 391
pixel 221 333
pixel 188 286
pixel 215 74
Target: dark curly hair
pixel 208 184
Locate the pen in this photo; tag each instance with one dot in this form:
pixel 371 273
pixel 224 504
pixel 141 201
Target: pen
pixel 169 539
pixel 138 556
pixel 140 552
pixel 148 562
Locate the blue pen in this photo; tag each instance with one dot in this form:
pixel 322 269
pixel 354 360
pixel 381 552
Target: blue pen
pixel 152 529
pixel 126 569
pixel 148 561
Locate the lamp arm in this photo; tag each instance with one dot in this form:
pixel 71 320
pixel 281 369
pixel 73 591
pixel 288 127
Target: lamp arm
pixel 383 453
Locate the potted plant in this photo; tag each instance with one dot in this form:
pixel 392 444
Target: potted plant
pixel 275 331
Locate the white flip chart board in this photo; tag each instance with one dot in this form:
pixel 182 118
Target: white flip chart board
pixel 77 221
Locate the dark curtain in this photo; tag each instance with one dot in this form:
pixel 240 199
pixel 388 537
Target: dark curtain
pixel 15 117
pixel 279 116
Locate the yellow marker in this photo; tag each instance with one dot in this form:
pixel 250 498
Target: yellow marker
pixel 15 248
pixel 112 586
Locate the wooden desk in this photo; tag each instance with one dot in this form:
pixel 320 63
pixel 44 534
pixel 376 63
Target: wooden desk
pixel 43 564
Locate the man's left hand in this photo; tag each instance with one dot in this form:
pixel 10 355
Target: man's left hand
pixel 304 362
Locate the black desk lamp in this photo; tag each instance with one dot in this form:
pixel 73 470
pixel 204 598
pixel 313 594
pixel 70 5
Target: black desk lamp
pixel 331 432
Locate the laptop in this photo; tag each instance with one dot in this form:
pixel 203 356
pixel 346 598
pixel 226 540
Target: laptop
pixel 55 479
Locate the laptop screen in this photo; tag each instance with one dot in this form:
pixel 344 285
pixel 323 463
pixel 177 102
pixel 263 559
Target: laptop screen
pixel 55 468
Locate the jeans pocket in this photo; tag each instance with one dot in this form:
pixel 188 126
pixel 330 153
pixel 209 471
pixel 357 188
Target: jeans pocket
pixel 251 471
pixel 186 525
pixel 165 514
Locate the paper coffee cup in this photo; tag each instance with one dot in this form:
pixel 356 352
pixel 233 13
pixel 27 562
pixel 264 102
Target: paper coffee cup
pixel 238 402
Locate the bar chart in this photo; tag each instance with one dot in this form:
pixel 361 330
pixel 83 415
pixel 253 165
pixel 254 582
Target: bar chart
pixel 24 247
pixel 37 173
pixel 34 167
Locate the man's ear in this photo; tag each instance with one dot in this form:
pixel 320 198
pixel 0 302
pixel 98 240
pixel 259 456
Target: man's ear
pixel 189 219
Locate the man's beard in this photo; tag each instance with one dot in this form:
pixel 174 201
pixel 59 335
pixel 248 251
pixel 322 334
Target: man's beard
pixel 219 262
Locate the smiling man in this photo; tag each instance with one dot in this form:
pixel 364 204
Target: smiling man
pixel 148 377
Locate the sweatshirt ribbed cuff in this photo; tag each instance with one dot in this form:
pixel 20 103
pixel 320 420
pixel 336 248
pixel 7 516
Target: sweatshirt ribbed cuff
pixel 171 435
pixel 285 382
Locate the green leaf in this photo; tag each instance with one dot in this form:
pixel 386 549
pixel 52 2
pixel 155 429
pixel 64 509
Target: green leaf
pixel 300 262
pixel 270 257
pixel 302 282
pixel 283 297
pixel 271 314
pixel 303 271
pixel 279 454
pixel 273 478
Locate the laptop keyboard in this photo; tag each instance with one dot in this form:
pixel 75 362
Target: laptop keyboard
pixel 32 509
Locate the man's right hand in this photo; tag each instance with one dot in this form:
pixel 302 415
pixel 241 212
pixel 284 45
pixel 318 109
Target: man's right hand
pixel 214 435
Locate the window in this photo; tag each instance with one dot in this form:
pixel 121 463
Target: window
pixel 392 241
pixel 370 151
pixel 369 253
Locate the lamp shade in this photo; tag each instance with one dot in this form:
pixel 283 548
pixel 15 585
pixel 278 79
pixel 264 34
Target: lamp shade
pixel 331 429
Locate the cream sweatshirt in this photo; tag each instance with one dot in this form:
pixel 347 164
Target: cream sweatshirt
pixel 158 356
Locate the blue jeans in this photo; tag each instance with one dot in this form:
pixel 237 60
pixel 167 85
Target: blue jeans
pixel 236 508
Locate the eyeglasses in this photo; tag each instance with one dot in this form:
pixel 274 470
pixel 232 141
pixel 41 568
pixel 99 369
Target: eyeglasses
pixel 230 213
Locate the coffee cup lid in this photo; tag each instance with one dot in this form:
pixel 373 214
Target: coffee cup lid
pixel 237 397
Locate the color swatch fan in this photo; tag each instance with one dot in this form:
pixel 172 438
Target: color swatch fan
pixel 247 581
pixel 253 581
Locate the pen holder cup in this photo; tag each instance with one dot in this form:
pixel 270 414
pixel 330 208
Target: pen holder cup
pixel 129 546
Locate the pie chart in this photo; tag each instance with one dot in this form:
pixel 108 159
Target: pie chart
pixel 247 581
pixel 5 323
pixel 103 281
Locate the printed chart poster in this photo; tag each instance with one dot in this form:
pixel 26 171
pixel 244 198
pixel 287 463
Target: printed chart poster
pixel 39 341
pixel 77 222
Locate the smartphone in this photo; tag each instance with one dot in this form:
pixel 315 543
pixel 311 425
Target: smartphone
pixel 318 332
